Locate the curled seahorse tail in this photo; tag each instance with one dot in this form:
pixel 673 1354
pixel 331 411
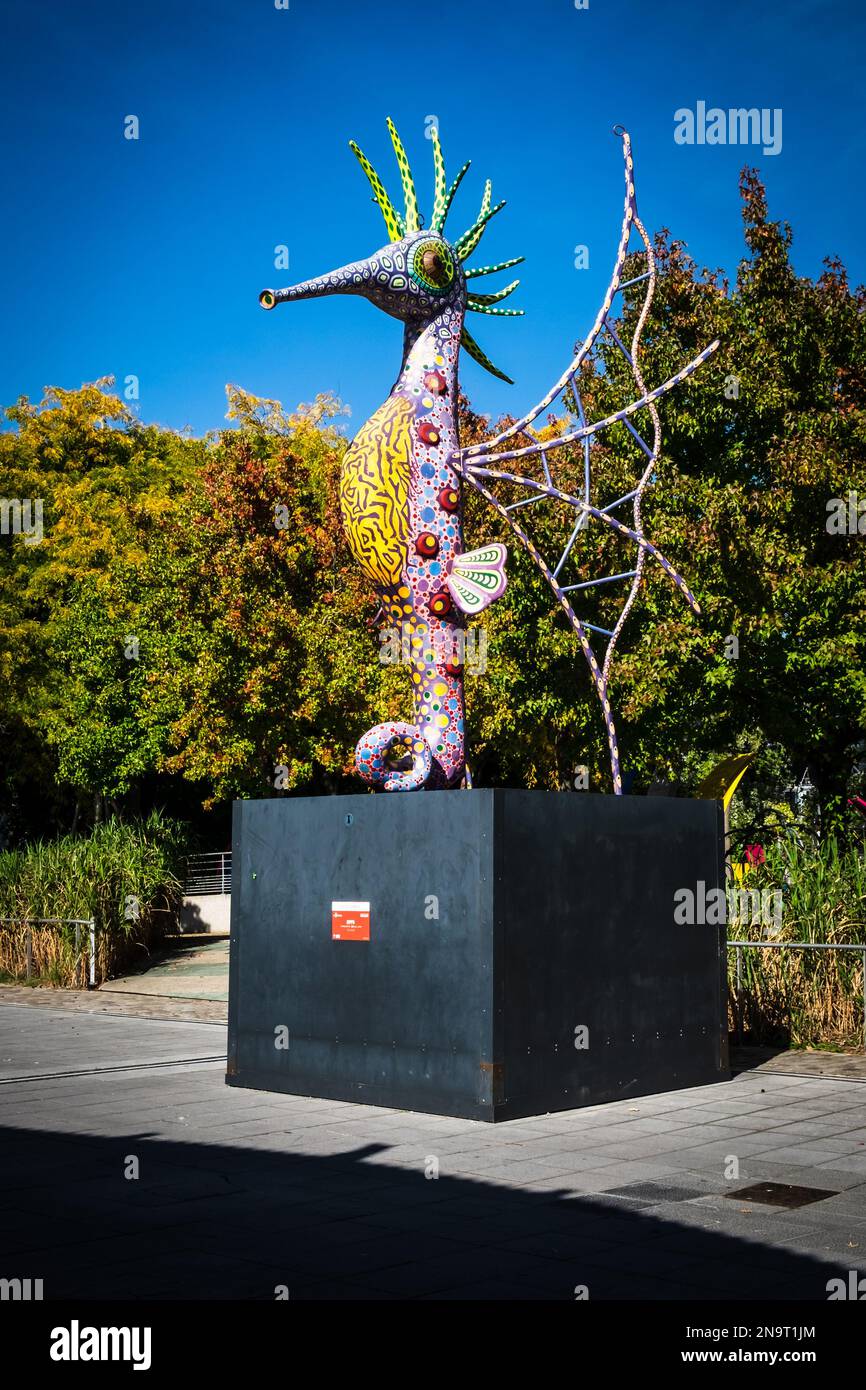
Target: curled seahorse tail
pixel 379 749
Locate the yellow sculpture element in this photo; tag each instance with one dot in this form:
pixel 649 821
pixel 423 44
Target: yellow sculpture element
pixel 724 779
pixel 374 492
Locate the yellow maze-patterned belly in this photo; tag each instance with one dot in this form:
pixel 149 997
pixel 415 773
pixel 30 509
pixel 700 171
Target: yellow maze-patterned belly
pixel 374 491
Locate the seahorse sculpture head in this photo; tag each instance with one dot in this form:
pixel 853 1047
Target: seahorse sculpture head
pixel 411 279
pixel 418 274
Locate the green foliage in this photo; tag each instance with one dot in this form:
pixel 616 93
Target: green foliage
pixel 823 887
pixel 126 876
pixel 93 875
pixel 105 482
pixel 808 998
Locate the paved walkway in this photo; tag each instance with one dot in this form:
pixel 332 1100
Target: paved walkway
pixel 129 1003
pixel 35 1043
pixel 837 1066
pixel 198 970
pixel 240 1192
pixel 122 1004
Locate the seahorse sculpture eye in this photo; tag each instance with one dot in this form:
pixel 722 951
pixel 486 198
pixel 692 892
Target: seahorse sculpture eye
pixel 402 480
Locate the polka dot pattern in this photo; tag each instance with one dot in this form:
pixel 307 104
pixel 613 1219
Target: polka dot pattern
pixel 420 606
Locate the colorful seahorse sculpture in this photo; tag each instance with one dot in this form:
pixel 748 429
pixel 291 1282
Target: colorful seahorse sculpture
pixel 402 477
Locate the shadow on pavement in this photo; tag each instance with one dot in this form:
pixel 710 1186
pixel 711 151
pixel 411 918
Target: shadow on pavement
pixel 212 1221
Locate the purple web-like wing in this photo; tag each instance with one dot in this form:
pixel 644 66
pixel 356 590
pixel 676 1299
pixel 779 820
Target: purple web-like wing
pixel 482 464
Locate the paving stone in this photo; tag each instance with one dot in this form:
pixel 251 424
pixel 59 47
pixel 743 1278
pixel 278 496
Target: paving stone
pixel 810 1154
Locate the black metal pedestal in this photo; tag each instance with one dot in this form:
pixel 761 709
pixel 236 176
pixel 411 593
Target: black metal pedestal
pixel 520 952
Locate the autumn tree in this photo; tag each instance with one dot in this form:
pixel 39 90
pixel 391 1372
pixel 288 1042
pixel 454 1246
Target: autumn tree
pixel 101 480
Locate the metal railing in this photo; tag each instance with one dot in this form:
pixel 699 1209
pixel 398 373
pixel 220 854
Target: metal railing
pixel 76 922
pixel 740 946
pixel 208 873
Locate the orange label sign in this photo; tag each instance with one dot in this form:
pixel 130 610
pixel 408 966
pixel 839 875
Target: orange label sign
pixel 350 921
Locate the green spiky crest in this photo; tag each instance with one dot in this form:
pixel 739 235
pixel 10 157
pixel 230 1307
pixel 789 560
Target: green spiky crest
pixel 402 225
pixel 490 269
pixel 476 300
pixel 467 341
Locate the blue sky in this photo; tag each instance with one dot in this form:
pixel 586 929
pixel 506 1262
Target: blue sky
pixel 146 257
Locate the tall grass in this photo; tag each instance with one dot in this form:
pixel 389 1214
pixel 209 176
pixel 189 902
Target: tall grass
pixel 124 875
pixel 805 998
